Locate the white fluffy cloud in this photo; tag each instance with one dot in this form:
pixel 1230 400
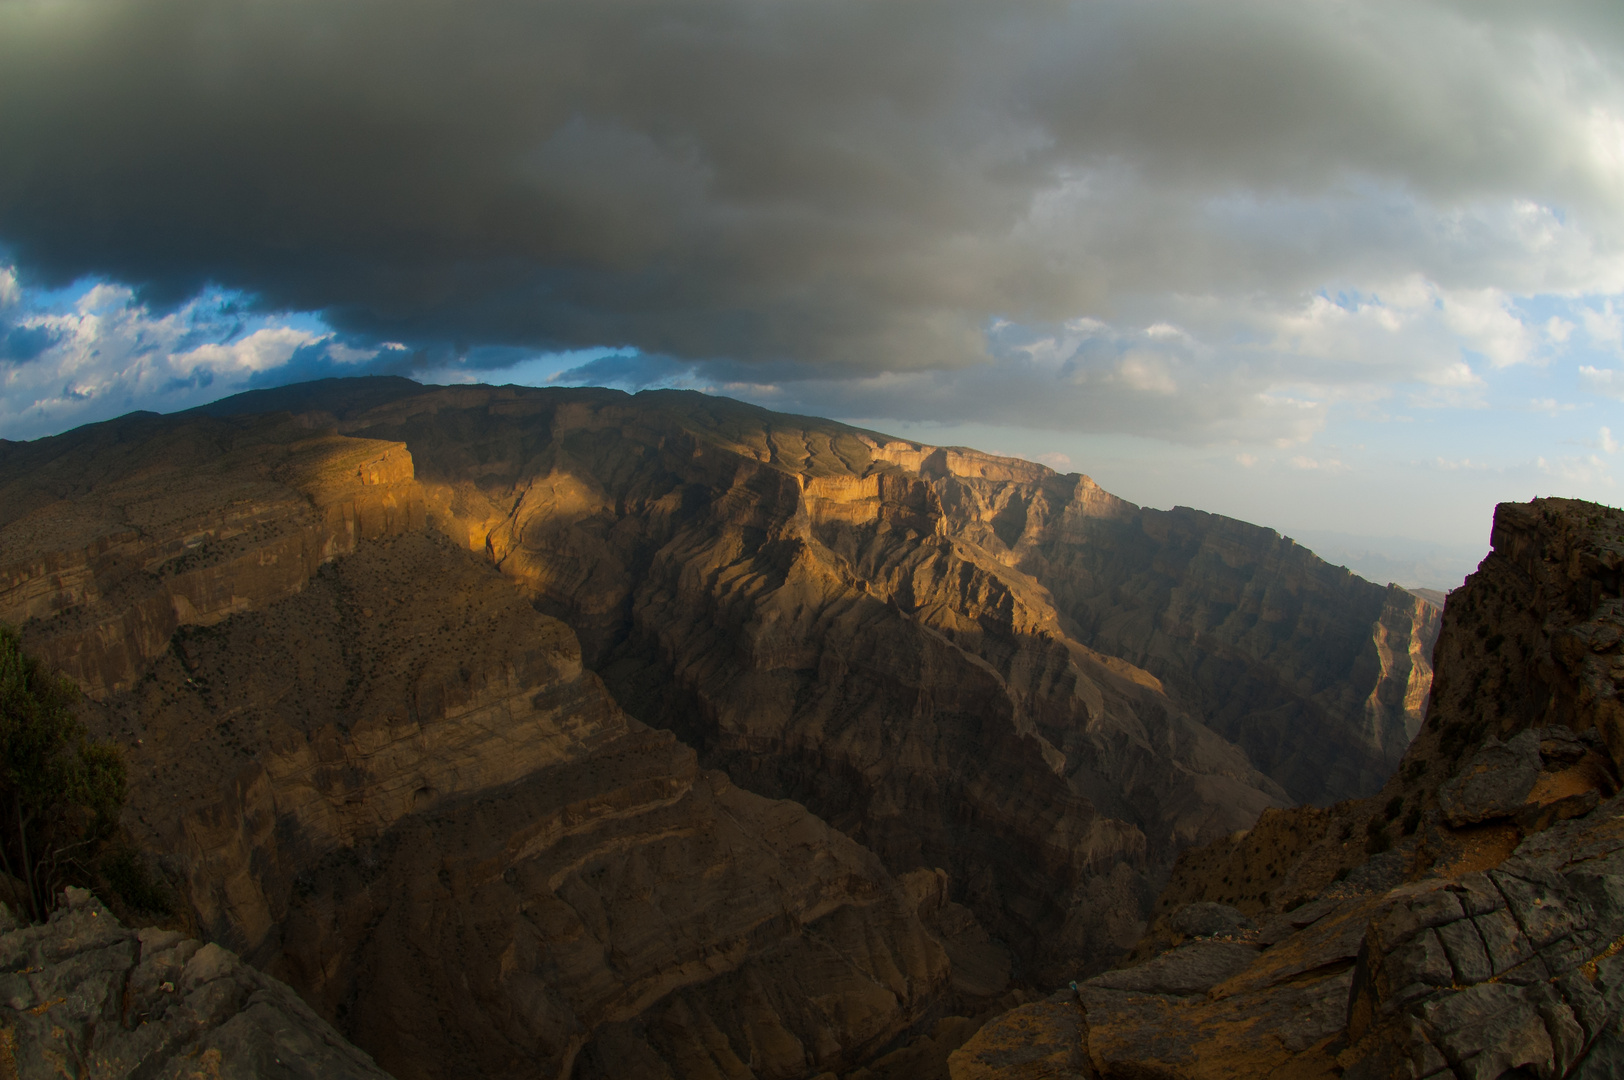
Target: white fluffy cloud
pixel 97 352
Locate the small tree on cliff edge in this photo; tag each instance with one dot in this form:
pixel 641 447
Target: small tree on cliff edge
pixel 60 793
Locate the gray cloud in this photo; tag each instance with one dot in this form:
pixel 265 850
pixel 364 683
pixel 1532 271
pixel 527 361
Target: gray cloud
pixel 844 188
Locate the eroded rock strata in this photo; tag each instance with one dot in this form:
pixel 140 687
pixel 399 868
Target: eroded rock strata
pixel 1467 921
pixel 906 638
pixel 914 726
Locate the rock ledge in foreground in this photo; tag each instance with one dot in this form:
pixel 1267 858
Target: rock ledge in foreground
pixel 83 995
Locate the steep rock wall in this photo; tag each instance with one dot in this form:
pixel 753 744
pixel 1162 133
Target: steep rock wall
pixel 879 630
pixel 391 780
pixel 789 600
pixel 101 584
pixel 1465 921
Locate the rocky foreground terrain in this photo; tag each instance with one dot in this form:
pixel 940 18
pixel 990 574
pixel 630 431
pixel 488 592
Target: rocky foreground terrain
pixel 1466 921
pixel 85 996
pixel 563 732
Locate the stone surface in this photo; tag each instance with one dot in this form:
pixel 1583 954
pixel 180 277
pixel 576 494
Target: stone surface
pixel 84 996
pixel 1194 968
pixel 317 762
pixel 622 908
pixel 900 636
pixel 1496 782
pixel 189 524
pixel 1042 1041
pixel 1207 919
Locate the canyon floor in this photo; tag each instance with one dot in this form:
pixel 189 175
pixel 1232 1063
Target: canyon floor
pixel 564 732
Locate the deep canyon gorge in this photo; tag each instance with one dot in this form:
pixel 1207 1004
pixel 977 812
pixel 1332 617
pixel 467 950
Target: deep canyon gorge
pixel 564 732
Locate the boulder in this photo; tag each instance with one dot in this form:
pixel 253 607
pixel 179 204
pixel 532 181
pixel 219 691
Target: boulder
pixel 1495 782
pixel 1189 969
pixel 1207 919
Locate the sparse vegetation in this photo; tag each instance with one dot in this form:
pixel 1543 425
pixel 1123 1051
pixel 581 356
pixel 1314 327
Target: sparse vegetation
pixel 60 792
pixel 127 876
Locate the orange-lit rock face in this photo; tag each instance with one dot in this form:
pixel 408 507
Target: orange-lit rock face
pixel 111 547
pixel 354 773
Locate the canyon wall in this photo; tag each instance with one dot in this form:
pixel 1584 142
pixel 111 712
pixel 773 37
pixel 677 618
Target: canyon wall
pixel 1465 921
pixel 871 628
pixel 375 755
pixel 708 740
pixel 116 547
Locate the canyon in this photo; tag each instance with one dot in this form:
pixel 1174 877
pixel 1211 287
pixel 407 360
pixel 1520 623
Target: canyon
pixel 1467 920
pixel 546 732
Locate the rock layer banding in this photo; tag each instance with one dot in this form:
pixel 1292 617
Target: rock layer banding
pixel 1466 921
pixel 542 678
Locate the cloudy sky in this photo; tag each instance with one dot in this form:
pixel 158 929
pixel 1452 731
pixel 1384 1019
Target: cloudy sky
pixel 1351 270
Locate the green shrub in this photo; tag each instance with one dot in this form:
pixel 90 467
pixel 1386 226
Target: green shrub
pixel 126 874
pixel 60 793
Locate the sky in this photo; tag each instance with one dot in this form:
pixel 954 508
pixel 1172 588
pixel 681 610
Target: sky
pixel 1354 271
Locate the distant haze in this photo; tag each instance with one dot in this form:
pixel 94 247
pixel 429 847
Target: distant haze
pixel 1397 559
pixel 1347 267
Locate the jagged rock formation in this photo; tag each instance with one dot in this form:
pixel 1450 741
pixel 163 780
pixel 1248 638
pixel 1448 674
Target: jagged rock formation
pixel 1468 921
pixel 1321 677
pixel 85 996
pixel 369 663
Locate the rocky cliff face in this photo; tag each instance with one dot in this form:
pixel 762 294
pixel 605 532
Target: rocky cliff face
pixel 373 754
pixel 85 996
pixel 708 741
pixel 907 639
pixel 1468 921
pixel 1319 675
pixel 114 536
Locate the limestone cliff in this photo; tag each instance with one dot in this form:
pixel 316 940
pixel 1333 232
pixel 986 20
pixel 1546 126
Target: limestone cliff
pixel 115 535
pixel 934 649
pixel 1468 921
pixel 383 775
pixel 902 723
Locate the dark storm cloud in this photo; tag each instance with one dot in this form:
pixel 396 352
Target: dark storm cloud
pixel 852 186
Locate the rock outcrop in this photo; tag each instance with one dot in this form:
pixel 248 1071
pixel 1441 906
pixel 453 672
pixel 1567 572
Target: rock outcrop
pixel 85 996
pixel 1468 921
